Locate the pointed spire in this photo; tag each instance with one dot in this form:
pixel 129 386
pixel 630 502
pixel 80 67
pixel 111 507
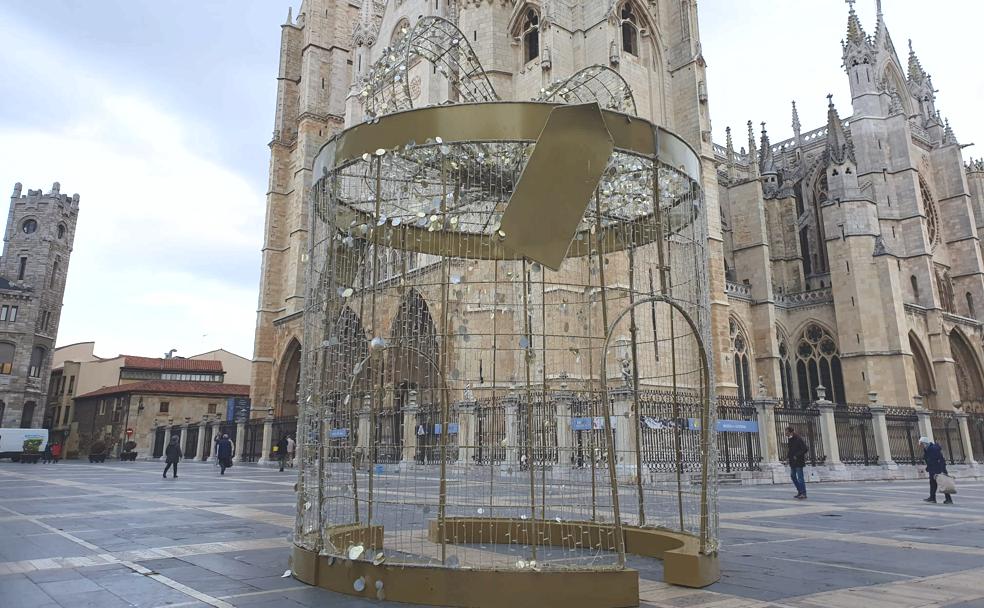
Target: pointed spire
pixel 855 32
pixel 767 160
pixel 797 127
pixel 948 135
pixel 730 146
pixel 916 72
pixel 836 139
pixel 290 15
pixel 752 152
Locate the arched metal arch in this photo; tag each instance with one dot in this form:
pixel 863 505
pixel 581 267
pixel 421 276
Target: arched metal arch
pixel 594 83
pixel 443 45
pixel 705 411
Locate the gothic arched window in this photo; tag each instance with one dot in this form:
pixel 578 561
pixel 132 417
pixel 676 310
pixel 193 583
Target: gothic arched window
pixel 739 346
pixel 630 30
pixel 932 215
pixel 6 358
pixel 971 311
pixel 402 29
pixel 37 361
pixel 818 364
pixel 945 285
pixel 531 35
pixel 915 287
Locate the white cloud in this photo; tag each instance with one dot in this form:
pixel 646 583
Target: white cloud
pixel 167 247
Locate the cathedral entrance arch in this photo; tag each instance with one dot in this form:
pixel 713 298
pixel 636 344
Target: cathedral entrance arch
pixel 970 381
pixel 414 372
pixel 290 379
pixel 925 384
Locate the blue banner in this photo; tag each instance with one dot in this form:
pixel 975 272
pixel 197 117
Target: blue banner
pixel 338 433
pixel 737 426
pixel 452 428
pixel 581 424
pixel 728 426
pixel 237 409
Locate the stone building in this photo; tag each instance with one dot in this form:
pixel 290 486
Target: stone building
pixel 525 47
pixel 78 373
pixel 37 248
pixel 852 250
pixel 845 257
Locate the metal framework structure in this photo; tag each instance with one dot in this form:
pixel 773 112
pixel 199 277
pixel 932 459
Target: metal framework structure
pixel 598 83
pixel 475 401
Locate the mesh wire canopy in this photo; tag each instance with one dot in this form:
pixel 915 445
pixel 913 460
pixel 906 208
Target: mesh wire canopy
pixel 445 384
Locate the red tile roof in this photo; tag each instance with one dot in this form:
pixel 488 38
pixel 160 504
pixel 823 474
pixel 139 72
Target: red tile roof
pixel 172 365
pixel 173 387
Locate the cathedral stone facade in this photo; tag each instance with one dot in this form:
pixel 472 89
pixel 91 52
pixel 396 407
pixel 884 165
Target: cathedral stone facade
pixel 852 253
pixel 845 258
pixel 525 47
pixel 37 246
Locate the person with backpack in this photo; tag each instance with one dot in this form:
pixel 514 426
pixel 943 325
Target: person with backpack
pixel 282 452
pixel 172 456
pixel 796 451
pixel 223 453
pixel 935 465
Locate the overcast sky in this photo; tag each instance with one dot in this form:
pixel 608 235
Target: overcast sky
pixel 158 113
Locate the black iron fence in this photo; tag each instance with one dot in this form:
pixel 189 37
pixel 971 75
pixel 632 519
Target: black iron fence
pixel 490 432
pixel 191 442
pixel 806 422
pixel 159 442
pixel 253 440
pixel 667 436
pixel 855 435
pixel 975 422
pixel 903 435
pixel 737 450
pixel 946 432
pixel 207 442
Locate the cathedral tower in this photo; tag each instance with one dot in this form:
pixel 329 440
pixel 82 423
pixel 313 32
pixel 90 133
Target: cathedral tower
pixel 37 248
pixel 525 46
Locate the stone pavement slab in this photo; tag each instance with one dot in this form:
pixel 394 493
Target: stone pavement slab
pixel 79 534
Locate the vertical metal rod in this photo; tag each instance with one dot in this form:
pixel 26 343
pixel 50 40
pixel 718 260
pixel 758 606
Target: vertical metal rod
pixel 606 411
pixel 544 418
pixel 374 283
pixel 442 363
pixel 591 408
pixel 664 261
pixel 529 407
pixel 634 331
pixel 494 411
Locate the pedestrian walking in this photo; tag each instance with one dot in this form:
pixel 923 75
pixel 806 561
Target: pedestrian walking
pixel 46 454
pixel 935 465
pixel 172 455
pixel 282 452
pixel 223 453
pixel 796 450
pixel 291 449
pixel 56 450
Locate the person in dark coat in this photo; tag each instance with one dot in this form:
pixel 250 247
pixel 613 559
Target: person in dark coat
pixel 172 455
pixel 935 464
pixel 796 451
pixel 223 453
pixel 282 451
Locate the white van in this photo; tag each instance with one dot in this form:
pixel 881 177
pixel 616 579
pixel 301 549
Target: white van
pixel 12 443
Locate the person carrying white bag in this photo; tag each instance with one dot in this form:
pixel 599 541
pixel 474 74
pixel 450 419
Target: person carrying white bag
pixel 936 468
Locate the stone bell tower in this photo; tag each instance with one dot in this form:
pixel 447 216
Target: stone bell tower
pixel 36 253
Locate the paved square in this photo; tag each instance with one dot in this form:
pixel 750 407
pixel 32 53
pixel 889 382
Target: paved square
pixel 74 535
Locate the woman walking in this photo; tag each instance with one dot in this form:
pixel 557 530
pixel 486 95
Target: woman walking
pixel 172 455
pixel 223 453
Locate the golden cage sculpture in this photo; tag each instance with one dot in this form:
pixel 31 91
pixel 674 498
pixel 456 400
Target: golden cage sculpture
pixel 506 391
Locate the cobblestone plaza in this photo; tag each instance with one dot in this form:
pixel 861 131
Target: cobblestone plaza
pixel 113 535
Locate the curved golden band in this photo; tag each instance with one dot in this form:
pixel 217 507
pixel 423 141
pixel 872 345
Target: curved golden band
pixel 497 121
